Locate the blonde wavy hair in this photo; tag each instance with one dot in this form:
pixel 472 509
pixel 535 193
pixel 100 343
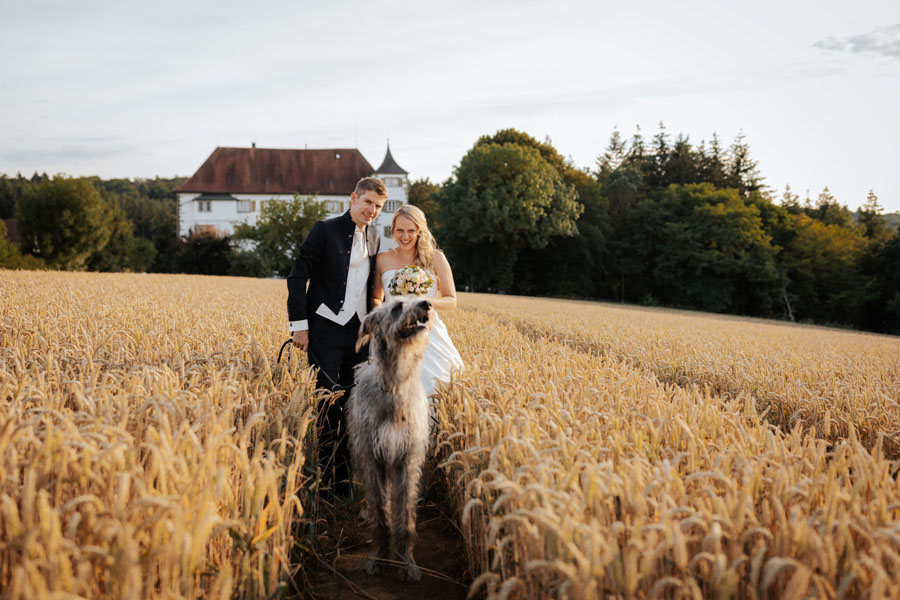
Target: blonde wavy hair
pixel 425 244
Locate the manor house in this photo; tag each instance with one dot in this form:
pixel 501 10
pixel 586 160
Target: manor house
pixel 234 184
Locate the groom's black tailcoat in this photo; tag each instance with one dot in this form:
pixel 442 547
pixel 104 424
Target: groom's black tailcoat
pixel 319 276
pixel 324 261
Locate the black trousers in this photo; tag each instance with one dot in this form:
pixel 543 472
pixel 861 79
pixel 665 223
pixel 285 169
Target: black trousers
pixel 332 348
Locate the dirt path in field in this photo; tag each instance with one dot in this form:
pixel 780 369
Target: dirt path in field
pixel 346 541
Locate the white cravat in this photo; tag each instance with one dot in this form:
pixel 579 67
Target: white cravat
pixel 357 278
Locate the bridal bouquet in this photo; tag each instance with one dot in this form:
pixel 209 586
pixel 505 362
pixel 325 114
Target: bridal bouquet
pixel 410 281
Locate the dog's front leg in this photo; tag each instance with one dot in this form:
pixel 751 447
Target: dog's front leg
pixel 404 496
pixel 377 496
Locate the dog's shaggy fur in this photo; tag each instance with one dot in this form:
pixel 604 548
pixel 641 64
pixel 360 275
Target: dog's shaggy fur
pixel 388 427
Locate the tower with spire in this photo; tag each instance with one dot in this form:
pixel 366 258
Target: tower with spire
pixel 395 177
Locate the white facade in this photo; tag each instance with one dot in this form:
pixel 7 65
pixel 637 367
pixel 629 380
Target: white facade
pixel 220 213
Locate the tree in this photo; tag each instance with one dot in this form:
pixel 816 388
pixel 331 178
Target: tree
pixel 203 254
pixel 148 203
pixel 712 164
pixel 714 253
pixel 791 201
pixel 577 261
pixel 11 258
pixel 63 219
pixel 520 138
pixel 637 150
pixel 613 157
pixel 280 229
pixel 654 165
pixel 8 198
pixel 881 310
pixel 821 264
pixel 574 259
pixel 872 219
pixel 503 198
pixel 623 190
pixel 165 242
pixel 830 211
pixel 683 164
pixel 742 170
pixel 141 255
pixel 123 251
pixel 423 193
pixel 246 263
pixel 780 224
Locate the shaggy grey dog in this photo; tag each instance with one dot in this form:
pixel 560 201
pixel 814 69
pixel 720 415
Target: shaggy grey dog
pixel 387 424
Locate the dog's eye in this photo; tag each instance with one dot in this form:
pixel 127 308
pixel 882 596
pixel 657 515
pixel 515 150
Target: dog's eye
pixel 397 309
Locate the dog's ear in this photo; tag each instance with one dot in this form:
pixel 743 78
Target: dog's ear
pixel 367 329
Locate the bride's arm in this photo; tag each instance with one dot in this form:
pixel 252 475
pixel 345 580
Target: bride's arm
pixel 377 287
pixel 446 299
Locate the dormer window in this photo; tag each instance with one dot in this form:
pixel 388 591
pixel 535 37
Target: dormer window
pixel 337 156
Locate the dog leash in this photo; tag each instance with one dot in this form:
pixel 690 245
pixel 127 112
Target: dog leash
pixel 334 385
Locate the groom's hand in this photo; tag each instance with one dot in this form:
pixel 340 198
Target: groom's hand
pixel 301 340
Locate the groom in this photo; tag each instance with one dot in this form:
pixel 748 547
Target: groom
pixel 329 293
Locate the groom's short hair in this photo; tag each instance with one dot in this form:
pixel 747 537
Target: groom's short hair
pixel 370 184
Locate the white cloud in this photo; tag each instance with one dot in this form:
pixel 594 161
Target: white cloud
pixel 884 41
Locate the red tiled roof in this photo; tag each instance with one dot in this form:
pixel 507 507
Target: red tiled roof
pixel 279 171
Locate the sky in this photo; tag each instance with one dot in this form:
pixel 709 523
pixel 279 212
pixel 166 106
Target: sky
pixel 144 89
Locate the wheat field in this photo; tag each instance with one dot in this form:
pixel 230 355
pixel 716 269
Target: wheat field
pixel 146 451
pixel 150 448
pixel 598 451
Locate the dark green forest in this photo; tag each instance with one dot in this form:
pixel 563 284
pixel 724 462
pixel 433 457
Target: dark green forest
pixel 663 222
pixel 657 222
pixel 90 223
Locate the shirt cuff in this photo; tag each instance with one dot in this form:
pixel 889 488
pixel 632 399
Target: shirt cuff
pixel 298 326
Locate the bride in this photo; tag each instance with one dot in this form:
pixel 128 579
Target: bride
pixel 416 247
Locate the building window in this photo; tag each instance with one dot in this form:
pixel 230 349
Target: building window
pixel 392 206
pixel 334 206
pixel 393 182
pixel 387 231
pixel 204 205
pixel 246 206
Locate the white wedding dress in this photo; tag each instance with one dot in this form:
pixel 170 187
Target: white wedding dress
pixel 441 356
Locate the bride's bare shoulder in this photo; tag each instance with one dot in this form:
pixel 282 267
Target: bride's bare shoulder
pixel 440 258
pixel 385 260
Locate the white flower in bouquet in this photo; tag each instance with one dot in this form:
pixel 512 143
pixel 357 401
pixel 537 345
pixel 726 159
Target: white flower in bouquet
pixel 410 281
